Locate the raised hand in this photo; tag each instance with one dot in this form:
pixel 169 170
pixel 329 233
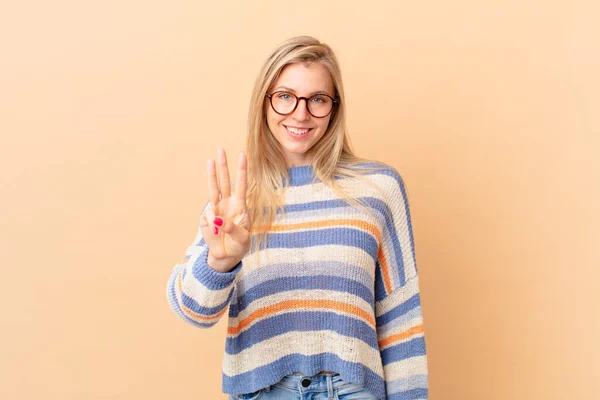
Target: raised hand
pixel 225 224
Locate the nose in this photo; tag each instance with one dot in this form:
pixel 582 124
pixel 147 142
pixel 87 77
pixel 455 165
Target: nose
pixel 301 112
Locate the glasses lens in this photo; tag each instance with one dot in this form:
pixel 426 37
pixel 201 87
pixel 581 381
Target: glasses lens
pixel 283 102
pixel 319 106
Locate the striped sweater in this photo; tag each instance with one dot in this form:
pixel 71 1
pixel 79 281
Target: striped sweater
pixel 339 293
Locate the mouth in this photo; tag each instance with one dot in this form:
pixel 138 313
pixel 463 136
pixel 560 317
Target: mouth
pixel 298 132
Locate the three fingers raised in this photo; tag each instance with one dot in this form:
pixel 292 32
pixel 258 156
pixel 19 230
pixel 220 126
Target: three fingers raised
pixel 219 186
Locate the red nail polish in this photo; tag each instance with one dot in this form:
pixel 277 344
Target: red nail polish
pixel 215 230
pixel 218 221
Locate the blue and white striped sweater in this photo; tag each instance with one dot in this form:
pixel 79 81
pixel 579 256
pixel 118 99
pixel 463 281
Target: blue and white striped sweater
pixel 339 293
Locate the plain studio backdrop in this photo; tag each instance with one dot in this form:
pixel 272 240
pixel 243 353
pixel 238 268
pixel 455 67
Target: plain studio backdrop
pixel 109 110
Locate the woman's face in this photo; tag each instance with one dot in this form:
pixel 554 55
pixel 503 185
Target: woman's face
pixel 299 131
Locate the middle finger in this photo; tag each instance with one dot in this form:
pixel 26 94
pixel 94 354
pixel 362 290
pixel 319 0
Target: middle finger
pixel 224 182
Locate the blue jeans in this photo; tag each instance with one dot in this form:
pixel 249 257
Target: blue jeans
pixel 316 387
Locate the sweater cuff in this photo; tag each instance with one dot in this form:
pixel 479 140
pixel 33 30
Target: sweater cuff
pixel 211 278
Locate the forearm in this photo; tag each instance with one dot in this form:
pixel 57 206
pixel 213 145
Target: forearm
pixel 401 337
pixel 199 294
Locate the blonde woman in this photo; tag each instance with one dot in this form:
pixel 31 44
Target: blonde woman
pixel 312 251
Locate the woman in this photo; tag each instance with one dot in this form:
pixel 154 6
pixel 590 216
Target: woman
pixel 311 249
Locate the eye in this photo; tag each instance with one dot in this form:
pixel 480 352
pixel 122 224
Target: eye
pixel 284 96
pixel 318 99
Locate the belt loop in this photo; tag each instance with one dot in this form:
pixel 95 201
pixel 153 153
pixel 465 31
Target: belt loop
pixel 329 387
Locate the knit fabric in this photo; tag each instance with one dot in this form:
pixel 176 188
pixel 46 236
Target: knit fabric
pixel 336 290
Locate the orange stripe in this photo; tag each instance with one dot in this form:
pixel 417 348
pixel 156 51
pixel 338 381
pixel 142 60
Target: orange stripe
pixel 292 304
pixel 384 270
pixel 344 222
pixel 400 336
pixel 191 313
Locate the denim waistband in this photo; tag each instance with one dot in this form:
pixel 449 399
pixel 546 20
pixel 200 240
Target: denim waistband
pixel 322 382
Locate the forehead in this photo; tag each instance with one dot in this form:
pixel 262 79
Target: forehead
pixel 305 78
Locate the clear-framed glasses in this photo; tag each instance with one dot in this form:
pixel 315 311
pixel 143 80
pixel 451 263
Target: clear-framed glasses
pixel 318 105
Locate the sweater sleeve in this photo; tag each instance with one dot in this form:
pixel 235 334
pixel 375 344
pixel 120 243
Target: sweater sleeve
pixel 400 330
pixel 197 293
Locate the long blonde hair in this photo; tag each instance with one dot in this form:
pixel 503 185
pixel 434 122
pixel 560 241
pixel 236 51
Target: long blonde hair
pixel 332 155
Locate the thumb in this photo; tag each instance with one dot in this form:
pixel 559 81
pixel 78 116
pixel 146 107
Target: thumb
pixel 237 233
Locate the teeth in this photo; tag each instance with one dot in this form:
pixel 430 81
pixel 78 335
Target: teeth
pixel 297 131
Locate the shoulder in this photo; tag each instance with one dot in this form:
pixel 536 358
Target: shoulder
pixel 383 172
pixel 382 181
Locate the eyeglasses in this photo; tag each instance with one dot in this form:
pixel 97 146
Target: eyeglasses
pixel 318 105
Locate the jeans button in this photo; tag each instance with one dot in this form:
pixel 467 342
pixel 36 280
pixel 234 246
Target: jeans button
pixel 306 382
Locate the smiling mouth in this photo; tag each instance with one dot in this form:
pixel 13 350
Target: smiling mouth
pixel 298 131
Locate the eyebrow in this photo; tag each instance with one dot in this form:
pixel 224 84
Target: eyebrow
pixel 293 91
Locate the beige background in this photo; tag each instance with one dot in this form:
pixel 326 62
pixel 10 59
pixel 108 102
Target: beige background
pixel 108 111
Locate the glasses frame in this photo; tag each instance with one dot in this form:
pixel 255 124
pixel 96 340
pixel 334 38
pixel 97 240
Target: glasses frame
pixel 334 101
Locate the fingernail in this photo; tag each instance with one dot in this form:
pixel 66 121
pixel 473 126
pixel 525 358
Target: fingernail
pixel 218 221
pixel 215 230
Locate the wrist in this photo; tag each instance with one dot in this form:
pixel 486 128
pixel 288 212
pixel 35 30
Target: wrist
pixel 221 264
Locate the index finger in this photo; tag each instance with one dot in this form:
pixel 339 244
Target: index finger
pixel 241 178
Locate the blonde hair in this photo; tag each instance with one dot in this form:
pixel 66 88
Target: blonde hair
pixel 332 155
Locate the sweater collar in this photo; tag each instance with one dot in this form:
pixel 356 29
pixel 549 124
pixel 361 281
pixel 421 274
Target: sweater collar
pixel 301 175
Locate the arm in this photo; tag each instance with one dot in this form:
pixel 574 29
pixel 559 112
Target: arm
pixel 196 292
pixel 400 330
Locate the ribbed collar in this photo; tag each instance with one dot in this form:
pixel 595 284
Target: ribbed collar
pixel 301 175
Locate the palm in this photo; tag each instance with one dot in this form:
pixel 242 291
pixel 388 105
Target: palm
pixel 233 209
